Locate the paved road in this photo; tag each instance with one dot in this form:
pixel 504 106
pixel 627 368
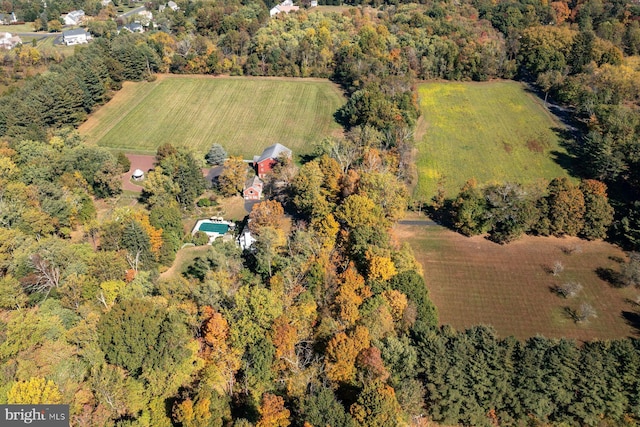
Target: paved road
pixel 34 34
pixel 133 11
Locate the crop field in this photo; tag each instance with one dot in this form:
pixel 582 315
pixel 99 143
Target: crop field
pixel 244 115
pixel 493 132
pixel 474 281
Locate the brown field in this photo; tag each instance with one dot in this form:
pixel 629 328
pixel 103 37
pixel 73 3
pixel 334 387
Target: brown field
pixel 474 281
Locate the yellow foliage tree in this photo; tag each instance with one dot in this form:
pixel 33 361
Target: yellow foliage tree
pixel 352 291
pixel 397 303
pixel 380 267
pixel 109 291
pixel 34 391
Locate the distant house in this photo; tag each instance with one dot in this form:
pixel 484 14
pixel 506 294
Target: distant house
pixel 7 41
pixel 75 17
pixel 173 6
pixel 145 17
pixel 77 36
pixel 134 27
pixel 253 189
pixel 286 6
pixel 8 18
pixel 265 162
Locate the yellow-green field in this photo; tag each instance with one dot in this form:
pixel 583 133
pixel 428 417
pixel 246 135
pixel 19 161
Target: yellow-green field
pixel 493 132
pixel 244 115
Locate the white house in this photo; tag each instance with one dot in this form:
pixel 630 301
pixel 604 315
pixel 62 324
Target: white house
pixel 245 240
pixel 7 41
pixel 75 17
pixel 77 36
pixel 8 18
pixel 285 7
pixel 134 27
pixel 173 6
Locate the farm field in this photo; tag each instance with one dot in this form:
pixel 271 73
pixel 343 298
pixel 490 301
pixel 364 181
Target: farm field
pixel 493 132
pixel 474 281
pixel 244 115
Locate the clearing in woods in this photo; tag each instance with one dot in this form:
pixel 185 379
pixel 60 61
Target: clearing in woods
pixel 493 132
pixel 244 115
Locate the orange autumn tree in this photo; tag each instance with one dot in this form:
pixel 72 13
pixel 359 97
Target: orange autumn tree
pixel 284 336
pixel 342 351
pixel 351 293
pixel 223 360
pixel 272 412
pixel 269 213
pixel 155 234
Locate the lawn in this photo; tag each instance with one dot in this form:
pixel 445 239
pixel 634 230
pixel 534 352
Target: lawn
pixel 244 115
pixel 474 281
pixel 493 132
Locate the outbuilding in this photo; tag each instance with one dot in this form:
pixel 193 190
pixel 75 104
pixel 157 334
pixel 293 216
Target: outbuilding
pixel 137 175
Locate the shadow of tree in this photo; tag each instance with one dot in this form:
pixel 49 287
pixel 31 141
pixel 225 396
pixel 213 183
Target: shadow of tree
pixel 570 313
pixel 610 276
pixel 633 319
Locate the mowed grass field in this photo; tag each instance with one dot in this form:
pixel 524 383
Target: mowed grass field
pixel 493 132
pixel 474 281
pixel 244 115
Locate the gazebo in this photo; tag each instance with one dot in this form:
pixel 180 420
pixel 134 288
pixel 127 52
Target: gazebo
pixel 137 175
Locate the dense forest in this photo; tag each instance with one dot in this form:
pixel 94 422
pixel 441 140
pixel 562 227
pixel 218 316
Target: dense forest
pixel 327 320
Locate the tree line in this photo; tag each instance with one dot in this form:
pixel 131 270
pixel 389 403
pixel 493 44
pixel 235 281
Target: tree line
pixel 508 211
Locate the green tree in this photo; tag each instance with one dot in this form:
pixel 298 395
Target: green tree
pixel 234 173
pixel 141 336
pixel 598 215
pixel 309 196
pixel 360 211
pixel 377 406
pixel 323 409
pixel 566 207
pixel 216 155
pixel 107 181
pixel 510 212
pixel 469 209
pixel 386 191
pixel 413 286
